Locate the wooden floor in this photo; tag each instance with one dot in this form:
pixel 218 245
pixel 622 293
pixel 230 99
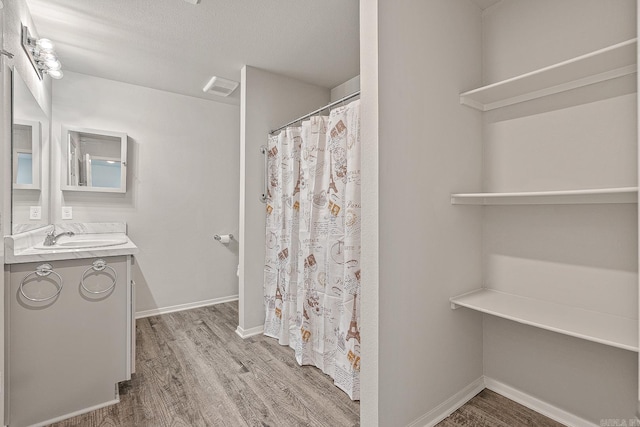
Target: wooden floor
pixel 489 409
pixel 193 370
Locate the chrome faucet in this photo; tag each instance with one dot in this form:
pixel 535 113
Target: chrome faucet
pixel 52 238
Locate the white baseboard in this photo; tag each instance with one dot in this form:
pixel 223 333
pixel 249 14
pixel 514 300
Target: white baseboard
pixel 536 404
pixel 188 306
pixel 76 413
pixel 246 333
pixel 450 405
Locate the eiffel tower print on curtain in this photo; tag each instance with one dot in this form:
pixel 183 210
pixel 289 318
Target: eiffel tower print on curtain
pixel 312 263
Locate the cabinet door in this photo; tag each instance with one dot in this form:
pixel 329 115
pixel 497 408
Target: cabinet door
pixel 68 353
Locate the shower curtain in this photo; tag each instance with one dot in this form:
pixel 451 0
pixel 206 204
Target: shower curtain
pixel 312 266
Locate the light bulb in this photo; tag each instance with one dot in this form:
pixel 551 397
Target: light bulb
pixel 47 56
pixel 55 74
pixel 53 65
pixel 45 45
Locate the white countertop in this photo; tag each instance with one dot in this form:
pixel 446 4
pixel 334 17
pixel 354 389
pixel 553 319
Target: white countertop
pixel 26 247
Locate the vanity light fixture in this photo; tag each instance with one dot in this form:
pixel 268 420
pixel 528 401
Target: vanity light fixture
pixel 42 55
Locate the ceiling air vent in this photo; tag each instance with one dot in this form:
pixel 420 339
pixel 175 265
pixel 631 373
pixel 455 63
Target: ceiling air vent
pixel 219 86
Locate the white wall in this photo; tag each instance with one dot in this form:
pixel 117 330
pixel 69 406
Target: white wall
pixel 369 256
pixel 521 36
pixel 582 255
pixel 182 185
pixel 268 101
pixel 429 250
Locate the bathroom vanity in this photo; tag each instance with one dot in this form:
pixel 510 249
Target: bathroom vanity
pixel 69 318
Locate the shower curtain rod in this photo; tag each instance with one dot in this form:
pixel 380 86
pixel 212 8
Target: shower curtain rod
pixel 306 116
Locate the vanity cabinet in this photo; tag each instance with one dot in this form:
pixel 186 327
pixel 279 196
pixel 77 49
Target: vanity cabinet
pixel 69 328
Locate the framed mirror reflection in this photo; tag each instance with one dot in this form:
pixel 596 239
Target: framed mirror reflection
pixel 27 138
pixel 29 145
pixel 94 160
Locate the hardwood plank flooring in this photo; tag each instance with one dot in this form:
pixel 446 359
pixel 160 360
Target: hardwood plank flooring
pixel 489 409
pixel 194 370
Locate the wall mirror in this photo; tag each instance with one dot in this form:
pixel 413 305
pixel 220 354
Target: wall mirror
pixel 29 139
pixel 94 160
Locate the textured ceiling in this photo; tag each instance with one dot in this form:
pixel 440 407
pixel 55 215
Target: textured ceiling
pixel 176 46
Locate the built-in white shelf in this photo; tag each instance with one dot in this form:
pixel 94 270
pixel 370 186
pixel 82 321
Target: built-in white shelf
pixel 604 64
pixel 590 325
pixel 562 197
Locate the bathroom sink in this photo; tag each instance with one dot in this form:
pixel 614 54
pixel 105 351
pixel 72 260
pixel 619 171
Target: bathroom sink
pixel 85 241
pixel 70 244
